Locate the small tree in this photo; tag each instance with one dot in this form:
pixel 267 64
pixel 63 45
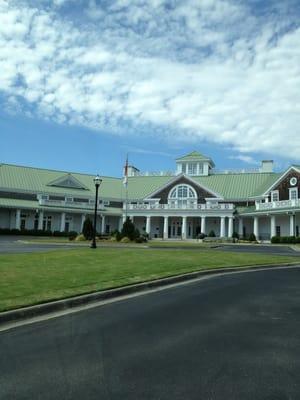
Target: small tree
pixel 88 229
pixel 128 229
pixel 252 237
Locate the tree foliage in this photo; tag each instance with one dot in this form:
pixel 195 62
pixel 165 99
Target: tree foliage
pixel 88 229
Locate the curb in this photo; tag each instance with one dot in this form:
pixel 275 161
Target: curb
pixel 26 313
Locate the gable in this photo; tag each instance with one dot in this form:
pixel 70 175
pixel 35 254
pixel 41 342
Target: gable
pixel 163 193
pixel 284 183
pixel 68 181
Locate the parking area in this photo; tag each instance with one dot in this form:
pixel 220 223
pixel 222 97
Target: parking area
pixel 22 244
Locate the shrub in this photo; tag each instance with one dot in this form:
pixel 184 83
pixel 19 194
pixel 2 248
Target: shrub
pixel 201 236
pixel 88 229
pixel 212 234
pixel 252 237
pixel 140 239
pixel 275 239
pixel 129 230
pixel 235 235
pixel 125 239
pixel 72 235
pixel 80 238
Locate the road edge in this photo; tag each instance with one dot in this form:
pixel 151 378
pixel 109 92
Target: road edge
pixel 25 313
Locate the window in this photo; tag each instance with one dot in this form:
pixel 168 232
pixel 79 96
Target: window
pixel 182 196
pixel 183 166
pixel 275 195
pixel 278 230
pixel 192 170
pixel 293 193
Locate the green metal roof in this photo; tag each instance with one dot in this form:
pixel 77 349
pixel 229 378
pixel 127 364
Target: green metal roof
pixel 37 180
pixel 17 203
pixel 194 155
pixel 236 186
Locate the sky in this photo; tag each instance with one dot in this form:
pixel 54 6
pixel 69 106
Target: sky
pixel 84 82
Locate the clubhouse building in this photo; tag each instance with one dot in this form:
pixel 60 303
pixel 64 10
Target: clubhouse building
pixel 194 199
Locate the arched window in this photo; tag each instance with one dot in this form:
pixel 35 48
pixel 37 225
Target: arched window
pixel 182 196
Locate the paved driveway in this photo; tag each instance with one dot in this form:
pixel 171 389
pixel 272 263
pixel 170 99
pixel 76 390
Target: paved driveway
pixel 15 244
pixel 259 248
pixel 228 337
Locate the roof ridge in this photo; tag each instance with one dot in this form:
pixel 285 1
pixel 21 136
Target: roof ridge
pixel 55 170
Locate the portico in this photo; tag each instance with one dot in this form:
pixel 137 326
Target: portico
pixel 186 226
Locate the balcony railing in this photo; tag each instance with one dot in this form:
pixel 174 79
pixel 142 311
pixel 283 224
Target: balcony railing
pixel 278 204
pixel 157 206
pixel 66 204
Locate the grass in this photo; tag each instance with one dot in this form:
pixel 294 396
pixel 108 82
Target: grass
pixel 33 278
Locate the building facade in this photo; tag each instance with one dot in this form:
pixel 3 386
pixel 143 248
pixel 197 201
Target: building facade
pixel 194 199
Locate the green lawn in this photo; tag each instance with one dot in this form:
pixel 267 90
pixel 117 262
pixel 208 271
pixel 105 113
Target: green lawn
pixel 27 279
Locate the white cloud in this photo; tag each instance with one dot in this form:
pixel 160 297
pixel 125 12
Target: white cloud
pixel 208 70
pixel 245 159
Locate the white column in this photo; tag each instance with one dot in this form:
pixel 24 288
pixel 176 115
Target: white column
pixel 103 224
pixel 41 219
pixel 183 231
pixel 121 221
pixel 62 221
pixel 230 227
pixel 241 227
pixel 82 222
pixel 166 227
pixel 255 228
pixel 18 219
pixel 292 225
pixel 148 225
pixel 273 225
pixel 203 225
pixel 222 229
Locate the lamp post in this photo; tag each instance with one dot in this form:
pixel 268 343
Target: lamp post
pixel 97 181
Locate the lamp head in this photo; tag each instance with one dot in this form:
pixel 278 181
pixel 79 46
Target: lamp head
pixel 97 180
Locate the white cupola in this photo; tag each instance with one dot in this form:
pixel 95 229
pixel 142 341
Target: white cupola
pixel 194 164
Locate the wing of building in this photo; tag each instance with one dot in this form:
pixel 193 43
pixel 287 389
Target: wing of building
pixel 195 199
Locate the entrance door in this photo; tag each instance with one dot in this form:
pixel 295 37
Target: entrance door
pixel 176 229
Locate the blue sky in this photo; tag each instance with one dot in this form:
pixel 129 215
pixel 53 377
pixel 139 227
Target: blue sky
pixel 83 82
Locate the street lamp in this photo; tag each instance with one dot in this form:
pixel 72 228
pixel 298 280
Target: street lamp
pixel 97 181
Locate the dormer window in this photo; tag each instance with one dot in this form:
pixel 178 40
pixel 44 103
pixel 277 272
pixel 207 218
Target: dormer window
pixel 275 195
pixel 293 193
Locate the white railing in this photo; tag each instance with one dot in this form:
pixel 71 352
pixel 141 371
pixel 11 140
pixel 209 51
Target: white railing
pixel 68 204
pixel 278 204
pixel 157 206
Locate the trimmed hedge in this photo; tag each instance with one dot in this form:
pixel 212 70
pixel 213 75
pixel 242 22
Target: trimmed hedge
pixel 285 239
pixel 34 232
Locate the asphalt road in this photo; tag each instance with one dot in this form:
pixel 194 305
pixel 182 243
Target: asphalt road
pixel 260 248
pixel 228 337
pixel 14 244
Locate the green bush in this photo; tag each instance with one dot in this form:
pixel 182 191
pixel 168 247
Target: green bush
pixel 128 229
pixel 235 235
pixel 275 239
pixel 72 235
pixel 252 237
pixel 285 239
pixel 88 229
pixel 212 234
pixel 201 236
